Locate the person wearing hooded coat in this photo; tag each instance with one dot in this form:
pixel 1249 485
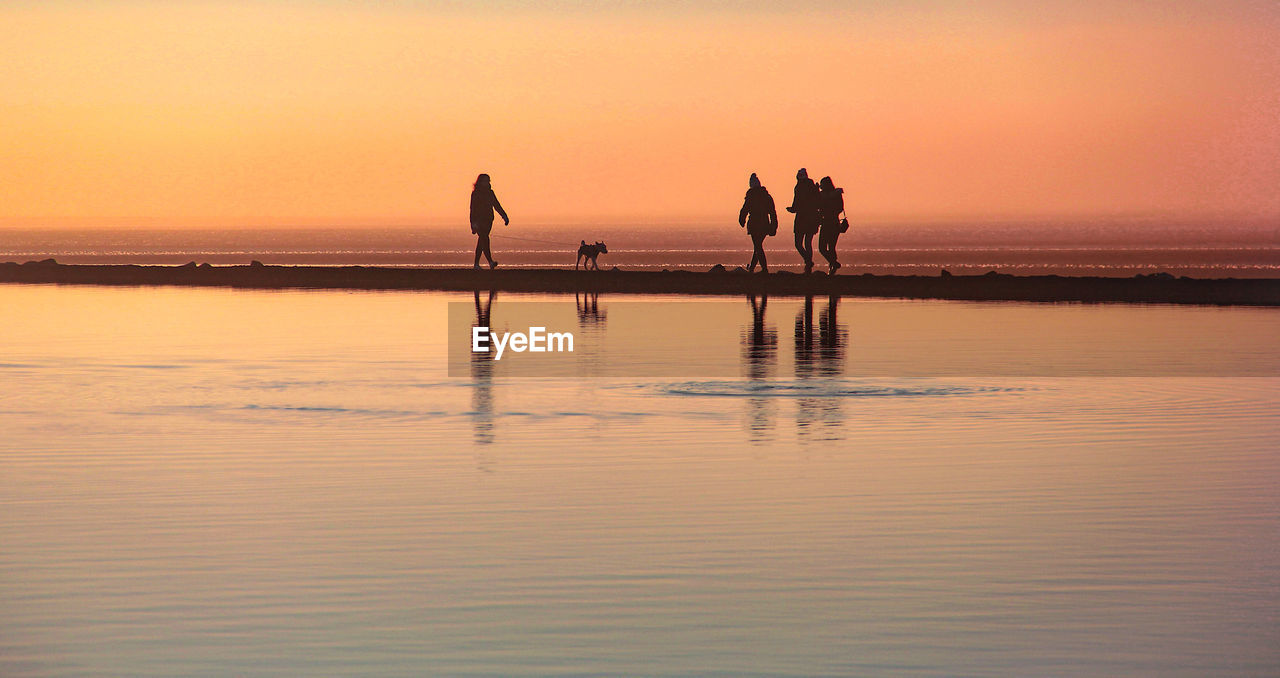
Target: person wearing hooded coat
pixel 805 206
pixel 760 218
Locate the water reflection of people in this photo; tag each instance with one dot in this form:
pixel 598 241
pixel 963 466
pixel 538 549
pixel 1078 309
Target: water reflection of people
pixel 760 351
pixel 482 377
pixel 832 339
pixel 818 357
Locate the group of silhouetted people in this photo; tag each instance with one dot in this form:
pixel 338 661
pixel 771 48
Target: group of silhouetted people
pixel 817 208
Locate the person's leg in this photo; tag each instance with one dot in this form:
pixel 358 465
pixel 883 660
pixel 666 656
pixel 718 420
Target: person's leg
pixel 800 247
pixel 808 252
pixel 824 246
pixel 835 263
pixel 482 247
pixel 758 241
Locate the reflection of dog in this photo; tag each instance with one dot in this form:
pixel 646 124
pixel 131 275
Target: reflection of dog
pixel 590 252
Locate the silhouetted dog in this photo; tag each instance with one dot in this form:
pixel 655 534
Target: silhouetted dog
pixel 590 252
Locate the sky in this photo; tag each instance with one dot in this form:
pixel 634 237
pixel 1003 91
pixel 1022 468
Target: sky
pixel 374 113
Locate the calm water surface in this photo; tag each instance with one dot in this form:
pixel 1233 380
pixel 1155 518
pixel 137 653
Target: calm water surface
pixel 220 482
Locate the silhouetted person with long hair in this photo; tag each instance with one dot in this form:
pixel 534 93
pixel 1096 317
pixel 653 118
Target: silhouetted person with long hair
pixel 760 217
pixel 805 206
pixel 483 203
pixel 830 205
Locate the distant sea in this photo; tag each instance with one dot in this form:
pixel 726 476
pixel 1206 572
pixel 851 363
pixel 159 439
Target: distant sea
pixel 1101 247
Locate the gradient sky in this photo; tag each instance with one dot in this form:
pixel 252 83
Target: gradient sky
pixel 349 113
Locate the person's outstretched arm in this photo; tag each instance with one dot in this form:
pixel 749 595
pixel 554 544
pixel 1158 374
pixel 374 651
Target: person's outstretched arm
pixel 498 206
pixel 773 213
pixel 742 213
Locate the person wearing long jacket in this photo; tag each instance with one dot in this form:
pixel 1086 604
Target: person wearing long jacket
pixel 805 206
pixel 830 205
pixel 483 204
pixel 760 217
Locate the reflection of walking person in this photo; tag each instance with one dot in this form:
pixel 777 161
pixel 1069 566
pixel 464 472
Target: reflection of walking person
pixel 482 376
pixel 760 217
pixel 483 203
pixel 805 207
pixel 830 205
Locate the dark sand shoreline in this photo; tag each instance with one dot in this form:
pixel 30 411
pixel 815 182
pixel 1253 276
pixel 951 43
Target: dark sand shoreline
pixel 1156 288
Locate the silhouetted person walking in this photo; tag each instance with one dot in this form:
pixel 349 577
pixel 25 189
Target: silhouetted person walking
pixel 483 203
pixel 805 206
pixel 830 205
pixel 760 217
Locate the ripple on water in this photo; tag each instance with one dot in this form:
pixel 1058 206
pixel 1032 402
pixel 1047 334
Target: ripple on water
pixel 825 388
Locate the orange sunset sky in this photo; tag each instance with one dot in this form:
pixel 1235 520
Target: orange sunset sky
pixel 350 113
